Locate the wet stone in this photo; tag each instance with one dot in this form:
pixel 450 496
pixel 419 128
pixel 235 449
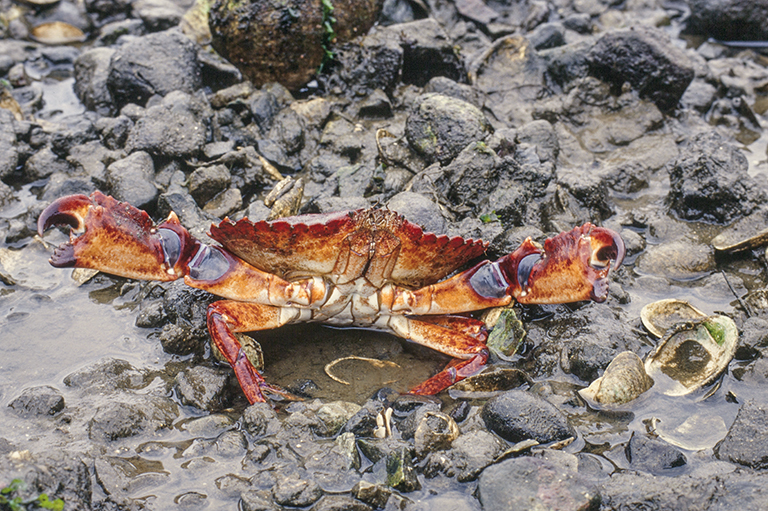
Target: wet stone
pixel 419 210
pixel 652 455
pixel 528 483
pixel 8 151
pixel 730 20
pixel 399 470
pixel 91 73
pixel 114 130
pixel 440 127
pixel 747 440
pixel 131 180
pixel 175 67
pixel 427 52
pixel 375 495
pixel 473 451
pixel 260 419
pixel 363 423
pixel 296 492
pixel 74 130
pixel 709 181
pixel 44 163
pixel 339 503
pixel 206 182
pixel 257 500
pixel 518 415
pixel 105 375
pixel 38 401
pixel 208 425
pixel 645 58
pixel 131 416
pixel 202 387
pixel 436 431
pixel 176 127
pixel 179 339
pixel 335 415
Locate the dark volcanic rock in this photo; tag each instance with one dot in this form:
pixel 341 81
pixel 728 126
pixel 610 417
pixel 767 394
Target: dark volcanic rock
pixel 518 415
pixel 652 455
pixel 154 64
pixel 646 59
pixel 535 483
pixel 441 126
pixel 747 441
pixel 38 401
pixel 738 20
pixel 709 181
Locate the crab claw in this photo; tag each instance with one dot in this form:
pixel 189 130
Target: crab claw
pixel 571 267
pixel 117 238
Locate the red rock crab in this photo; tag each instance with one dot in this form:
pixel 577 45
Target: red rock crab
pixel 366 268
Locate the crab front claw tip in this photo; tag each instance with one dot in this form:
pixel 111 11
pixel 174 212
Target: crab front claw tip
pixel 607 246
pixel 69 210
pixel 117 238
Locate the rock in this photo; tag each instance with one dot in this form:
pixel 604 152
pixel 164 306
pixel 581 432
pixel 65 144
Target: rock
pixel 206 182
pixel 8 153
pixel 294 491
pixel 240 39
pixel 131 415
pixel 473 451
pixel 73 130
pixel 363 422
pixel 442 126
pixel 91 74
pixel 106 375
pixel 339 503
pixel 43 164
pixel 709 181
pixel 131 180
pixel 747 438
pixel 419 210
pixel 535 483
pixel 518 415
pixel 646 59
pixel 436 431
pixel 114 130
pixel 38 401
pixel 400 472
pixel 153 64
pixel 652 455
pixel 373 64
pixel 177 127
pixel 202 387
pixel 260 419
pixel 427 52
pixel 335 415
pixel 730 20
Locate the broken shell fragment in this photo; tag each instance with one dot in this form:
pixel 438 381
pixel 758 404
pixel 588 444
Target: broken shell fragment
pixel 659 316
pixel 693 354
pixel 746 234
pixel 624 380
pixel 57 32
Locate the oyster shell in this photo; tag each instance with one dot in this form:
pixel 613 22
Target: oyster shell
pixel 659 316
pixel 693 354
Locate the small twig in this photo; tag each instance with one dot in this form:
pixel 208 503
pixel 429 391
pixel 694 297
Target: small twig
pixel 741 302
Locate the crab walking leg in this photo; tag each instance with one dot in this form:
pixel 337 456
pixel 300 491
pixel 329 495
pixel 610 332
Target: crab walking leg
pixel 453 343
pixel 227 317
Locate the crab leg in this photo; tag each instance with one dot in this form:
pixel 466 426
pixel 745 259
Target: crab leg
pixel 446 340
pixel 227 317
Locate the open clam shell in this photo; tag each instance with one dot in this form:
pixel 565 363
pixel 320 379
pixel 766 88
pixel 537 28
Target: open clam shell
pixel 693 354
pixel 659 316
pixel 57 32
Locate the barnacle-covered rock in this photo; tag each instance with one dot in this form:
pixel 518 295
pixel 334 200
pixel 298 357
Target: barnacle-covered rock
pixel 283 41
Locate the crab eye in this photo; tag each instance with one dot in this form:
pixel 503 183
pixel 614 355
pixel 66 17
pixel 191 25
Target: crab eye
pixel 525 267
